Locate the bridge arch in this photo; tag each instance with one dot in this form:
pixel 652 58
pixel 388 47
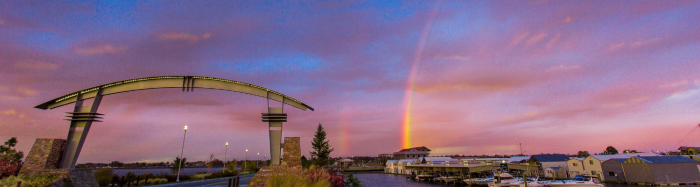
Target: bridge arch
pixel 82 116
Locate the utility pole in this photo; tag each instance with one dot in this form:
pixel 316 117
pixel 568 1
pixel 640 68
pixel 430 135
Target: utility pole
pixel 521 148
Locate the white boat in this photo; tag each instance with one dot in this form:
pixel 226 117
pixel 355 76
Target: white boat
pixel 531 182
pixel 479 181
pixel 578 181
pixel 502 179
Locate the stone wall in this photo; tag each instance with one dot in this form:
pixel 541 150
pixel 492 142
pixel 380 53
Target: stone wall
pixel 45 154
pixel 44 159
pixel 292 152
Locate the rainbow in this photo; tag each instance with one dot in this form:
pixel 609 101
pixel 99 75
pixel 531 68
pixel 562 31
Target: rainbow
pixel 408 99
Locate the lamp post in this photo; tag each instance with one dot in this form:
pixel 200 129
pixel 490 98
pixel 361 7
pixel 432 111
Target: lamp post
pixel 245 164
pixel 225 156
pixel 256 161
pixel 181 150
pixel 266 158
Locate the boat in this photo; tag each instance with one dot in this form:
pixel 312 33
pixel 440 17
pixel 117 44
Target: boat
pixel 531 182
pixel 479 181
pixel 578 181
pixel 423 176
pixel 502 179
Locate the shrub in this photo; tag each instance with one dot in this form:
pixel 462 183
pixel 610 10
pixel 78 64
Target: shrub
pixel 9 168
pixel 293 176
pixel 200 176
pixel 104 176
pixel 352 181
pixel 225 173
pixel 154 181
pixel 36 180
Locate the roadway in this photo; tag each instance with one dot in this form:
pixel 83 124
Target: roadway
pixel 220 182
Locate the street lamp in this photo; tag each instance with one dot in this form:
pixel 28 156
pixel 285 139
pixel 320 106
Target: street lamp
pixel 225 156
pixel 181 150
pixel 265 158
pixel 245 164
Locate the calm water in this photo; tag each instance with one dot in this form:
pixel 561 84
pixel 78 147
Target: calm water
pixel 122 172
pixel 380 179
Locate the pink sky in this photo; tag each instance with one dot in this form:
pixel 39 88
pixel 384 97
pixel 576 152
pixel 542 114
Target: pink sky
pixel 556 76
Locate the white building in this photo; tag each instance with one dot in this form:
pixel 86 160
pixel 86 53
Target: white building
pixel 412 153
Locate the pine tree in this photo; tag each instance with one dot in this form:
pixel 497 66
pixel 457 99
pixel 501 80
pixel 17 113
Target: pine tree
pixel 322 150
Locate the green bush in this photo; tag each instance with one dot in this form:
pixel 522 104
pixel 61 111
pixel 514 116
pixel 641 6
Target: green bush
pixel 154 181
pixel 36 180
pixel 104 176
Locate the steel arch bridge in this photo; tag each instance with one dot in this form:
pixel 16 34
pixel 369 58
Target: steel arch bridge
pixel 82 116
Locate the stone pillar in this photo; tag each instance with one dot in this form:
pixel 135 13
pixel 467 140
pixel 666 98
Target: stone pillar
pixel 292 152
pixel 45 154
pixel 275 117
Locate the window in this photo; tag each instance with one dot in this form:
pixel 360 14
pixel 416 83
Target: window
pixel 591 161
pixel 611 173
pixel 575 164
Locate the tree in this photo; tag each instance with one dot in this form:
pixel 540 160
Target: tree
pixel 231 165
pixel 304 162
pixel 10 159
pixel 610 150
pixel 116 164
pixel 8 153
pixel 629 151
pixel 176 164
pixel 583 154
pixel 321 147
pixel 210 164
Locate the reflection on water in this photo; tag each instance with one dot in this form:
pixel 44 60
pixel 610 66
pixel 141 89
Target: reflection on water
pixel 380 179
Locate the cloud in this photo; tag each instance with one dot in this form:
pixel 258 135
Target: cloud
pixel 519 38
pixel 675 84
pixel 568 19
pixel 35 65
pixel 563 68
pixel 184 36
pixel 453 57
pixel 464 86
pixel 11 112
pixel 553 40
pixel 98 50
pixel 645 42
pixel 26 91
pixel 536 38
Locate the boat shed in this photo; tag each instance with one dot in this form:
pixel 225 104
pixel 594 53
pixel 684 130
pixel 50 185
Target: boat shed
pixel 612 169
pixel 661 169
pixel 462 169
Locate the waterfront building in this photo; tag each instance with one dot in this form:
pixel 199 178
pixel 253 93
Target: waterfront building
pixel 439 160
pixel 661 169
pixel 694 157
pixel 518 159
pixel 575 166
pixel 412 153
pixel 685 150
pixel 556 172
pixel 612 169
pixel 494 161
pixel 592 164
pixel 400 166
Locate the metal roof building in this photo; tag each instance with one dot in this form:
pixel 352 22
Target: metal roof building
pixel 661 169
